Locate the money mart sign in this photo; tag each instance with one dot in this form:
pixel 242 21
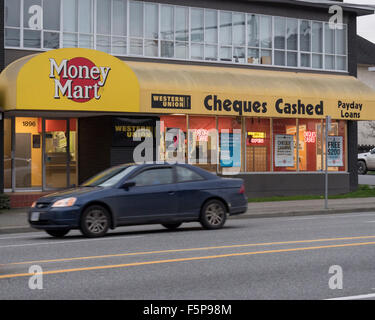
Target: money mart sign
pixel 78 79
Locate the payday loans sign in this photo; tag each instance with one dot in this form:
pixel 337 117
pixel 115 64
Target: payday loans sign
pixel 78 79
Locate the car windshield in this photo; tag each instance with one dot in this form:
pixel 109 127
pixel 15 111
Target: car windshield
pixel 109 177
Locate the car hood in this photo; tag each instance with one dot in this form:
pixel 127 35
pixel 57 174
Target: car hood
pixel 74 192
pixel 365 154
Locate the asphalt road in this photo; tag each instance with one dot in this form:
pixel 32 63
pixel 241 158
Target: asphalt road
pixel 266 258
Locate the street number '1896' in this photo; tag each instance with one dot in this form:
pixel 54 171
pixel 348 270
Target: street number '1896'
pixel 198 309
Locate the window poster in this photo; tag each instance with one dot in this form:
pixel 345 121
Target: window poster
pixel 284 150
pixel 335 151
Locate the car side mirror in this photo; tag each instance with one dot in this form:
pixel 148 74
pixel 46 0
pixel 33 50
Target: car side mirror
pixel 128 184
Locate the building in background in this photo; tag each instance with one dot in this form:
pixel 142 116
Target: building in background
pixel 267 71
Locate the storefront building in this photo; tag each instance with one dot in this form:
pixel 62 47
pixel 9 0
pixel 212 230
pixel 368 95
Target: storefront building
pixel 80 82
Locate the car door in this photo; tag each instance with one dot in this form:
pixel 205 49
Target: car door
pixel 371 160
pixel 190 190
pixel 152 198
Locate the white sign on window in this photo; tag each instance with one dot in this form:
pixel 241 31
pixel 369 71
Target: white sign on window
pixel 335 151
pixel 284 150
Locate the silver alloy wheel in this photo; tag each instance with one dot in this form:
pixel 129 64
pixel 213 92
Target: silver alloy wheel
pixel 96 221
pixel 215 214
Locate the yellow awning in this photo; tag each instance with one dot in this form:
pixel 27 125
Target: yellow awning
pixel 89 80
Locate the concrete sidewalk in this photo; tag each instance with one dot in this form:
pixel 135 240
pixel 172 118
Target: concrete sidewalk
pixel 15 220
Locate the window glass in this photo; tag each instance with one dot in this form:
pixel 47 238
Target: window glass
pixel 103 43
pixel 258 145
pixel 7 153
pixel 197 23
pixel 279 33
pixel 12 13
pixel 211 26
pixel 185 174
pixel 154 177
pixel 51 40
pixel 85 16
pixel 151 21
pixel 103 16
pixel 310 141
pixel 182 24
pixel 239 29
pixel 341 41
pixel 225 28
pixel 229 144
pixel 292 59
pixel 266 31
pixel 305 35
pixel 32 39
pixel 12 37
pixel 292 34
pixel 118 45
pixel 167 23
pixel 202 148
pixel 119 17
pixel 253 30
pixel 279 58
pixel 51 15
pixel 317 61
pixel 317 37
pixel 136 19
pixel 70 14
pixel 329 36
pixel 70 40
pixel 305 60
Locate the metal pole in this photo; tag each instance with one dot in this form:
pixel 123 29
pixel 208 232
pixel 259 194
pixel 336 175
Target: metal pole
pixel 326 165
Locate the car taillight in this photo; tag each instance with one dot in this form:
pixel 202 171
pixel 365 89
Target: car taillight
pixel 242 189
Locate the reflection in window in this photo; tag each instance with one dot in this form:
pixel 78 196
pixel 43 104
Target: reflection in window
pixel 305 36
pixel 266 32
pixel 197 23
pixel 226 28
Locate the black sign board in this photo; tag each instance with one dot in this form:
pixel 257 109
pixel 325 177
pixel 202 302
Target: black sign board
pixel 126 129
pixel 170 101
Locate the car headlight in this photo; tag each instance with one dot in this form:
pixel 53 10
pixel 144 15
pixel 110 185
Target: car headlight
pixel 67 202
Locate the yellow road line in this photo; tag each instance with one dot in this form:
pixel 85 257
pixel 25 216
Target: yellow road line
pixel 7 276
pixel 186 250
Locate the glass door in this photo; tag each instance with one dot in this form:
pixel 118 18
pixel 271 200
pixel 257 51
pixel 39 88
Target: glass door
pixel 56 155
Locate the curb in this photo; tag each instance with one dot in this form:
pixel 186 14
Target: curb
pixel 23 229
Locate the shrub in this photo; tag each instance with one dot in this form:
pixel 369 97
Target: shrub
pixel 4 201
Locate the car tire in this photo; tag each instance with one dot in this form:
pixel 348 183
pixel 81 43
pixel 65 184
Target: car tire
pixel 58 233
pixel 171 226
pixel 213 214
pixel 95 221
pixel 362 168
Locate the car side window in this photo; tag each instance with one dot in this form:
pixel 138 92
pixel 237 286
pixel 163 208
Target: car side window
pixel 185 174
pixel 154 177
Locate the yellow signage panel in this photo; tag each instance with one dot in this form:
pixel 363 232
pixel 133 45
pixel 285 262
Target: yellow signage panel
pixel 77 79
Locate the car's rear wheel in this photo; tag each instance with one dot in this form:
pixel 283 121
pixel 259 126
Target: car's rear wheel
pixel 95 221
pixel 171 226
pixel 362 168
pixel 58 233
pixel 213 214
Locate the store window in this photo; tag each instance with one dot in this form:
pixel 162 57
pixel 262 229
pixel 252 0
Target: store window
pixel 203 142
pixel 284 144
pixel 173 137
pixel 258 145
pixel 28 153
pixel 230 144
pixel 310 142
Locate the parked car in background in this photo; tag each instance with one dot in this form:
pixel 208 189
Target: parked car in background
pixel 366 161
pixel 133 194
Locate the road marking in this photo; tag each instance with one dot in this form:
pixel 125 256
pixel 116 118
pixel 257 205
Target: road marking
pixel 66 242
pixel 7 276
pixel 186 249
pixel 361 296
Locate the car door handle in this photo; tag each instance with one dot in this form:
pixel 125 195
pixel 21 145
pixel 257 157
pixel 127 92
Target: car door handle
pixel 171 193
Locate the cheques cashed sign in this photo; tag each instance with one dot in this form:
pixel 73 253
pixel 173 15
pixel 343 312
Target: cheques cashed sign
pixel 78 79
pixel 75 79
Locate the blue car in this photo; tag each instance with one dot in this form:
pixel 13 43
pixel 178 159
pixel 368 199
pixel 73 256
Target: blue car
pixel 132 194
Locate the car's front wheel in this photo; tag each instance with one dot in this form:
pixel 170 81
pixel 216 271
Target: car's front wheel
pixel 213 214
pixel 58 233
pixel 95 221
pixel 362 168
